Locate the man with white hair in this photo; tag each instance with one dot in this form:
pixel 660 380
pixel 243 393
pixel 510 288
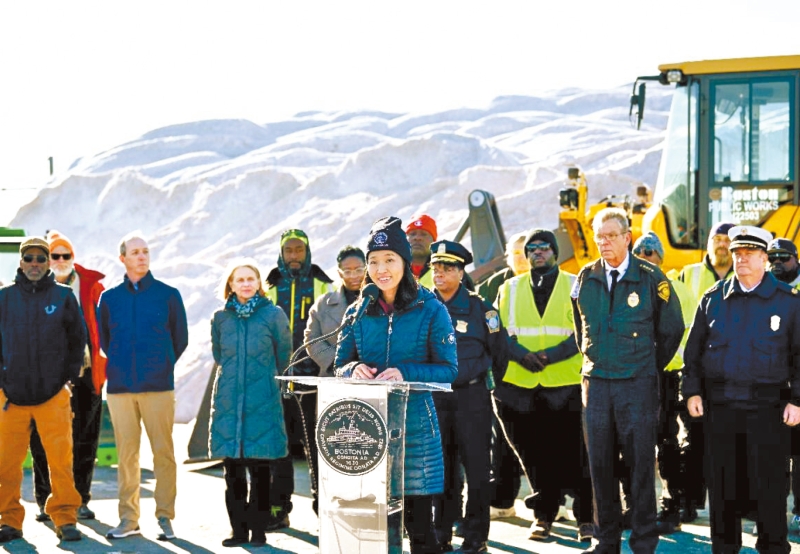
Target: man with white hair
pixel 143 332
pixel 628 326
pixel 87 400
pixel 742 374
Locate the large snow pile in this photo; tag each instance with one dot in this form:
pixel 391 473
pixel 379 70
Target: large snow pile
pixel 208 191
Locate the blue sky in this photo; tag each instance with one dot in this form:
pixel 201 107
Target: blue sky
pixel 80 77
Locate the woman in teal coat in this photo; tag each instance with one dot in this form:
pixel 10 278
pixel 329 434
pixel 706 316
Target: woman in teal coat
pixel 251 344
pixel 406 336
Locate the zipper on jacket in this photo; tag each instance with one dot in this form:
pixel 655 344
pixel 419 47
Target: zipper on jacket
pixel 388 340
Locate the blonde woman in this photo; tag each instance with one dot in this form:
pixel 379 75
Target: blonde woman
pixel 251 343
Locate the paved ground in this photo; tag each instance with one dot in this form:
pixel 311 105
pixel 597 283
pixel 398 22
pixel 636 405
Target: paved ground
pixel 202 523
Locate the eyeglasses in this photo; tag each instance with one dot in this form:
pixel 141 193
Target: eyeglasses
pixel 29 258
pixel 610 237
pixel 353 272
pixel 645 252
pixel 533 247
pixel 781 257
pixel 65 257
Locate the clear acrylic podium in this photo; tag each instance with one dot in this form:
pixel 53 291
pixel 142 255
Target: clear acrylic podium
pixel 360 434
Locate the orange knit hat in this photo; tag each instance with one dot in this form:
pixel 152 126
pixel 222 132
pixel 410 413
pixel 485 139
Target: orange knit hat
pixel 424 223
pixel 57 239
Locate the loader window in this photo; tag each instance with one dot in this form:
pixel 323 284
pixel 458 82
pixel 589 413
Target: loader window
pixel 752 132
pixel 676 188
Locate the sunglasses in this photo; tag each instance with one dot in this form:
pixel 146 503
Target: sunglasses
pixel 534 247
pixel 646 251
pixel 64 257
pixel 779 257
pixel 29 258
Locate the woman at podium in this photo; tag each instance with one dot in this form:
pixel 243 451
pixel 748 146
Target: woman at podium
pixel 405 335
pixel 251 343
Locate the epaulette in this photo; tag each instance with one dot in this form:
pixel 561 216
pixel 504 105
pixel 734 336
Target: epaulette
pixel 647 267
pixel 788 289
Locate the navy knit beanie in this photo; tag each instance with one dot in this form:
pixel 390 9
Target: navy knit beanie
pixel 387 234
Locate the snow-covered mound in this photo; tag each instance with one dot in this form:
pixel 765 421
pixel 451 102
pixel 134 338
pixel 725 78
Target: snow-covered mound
pixel 208 191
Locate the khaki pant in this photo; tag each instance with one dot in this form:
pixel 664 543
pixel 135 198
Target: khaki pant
pixel 54 422
pixel 157 411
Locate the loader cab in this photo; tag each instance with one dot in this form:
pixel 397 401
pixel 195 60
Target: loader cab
pixel 731 152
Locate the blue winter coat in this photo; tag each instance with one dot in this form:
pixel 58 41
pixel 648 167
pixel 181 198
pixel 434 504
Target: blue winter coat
pixel 143 332
pixel 246 408
pixel 420 342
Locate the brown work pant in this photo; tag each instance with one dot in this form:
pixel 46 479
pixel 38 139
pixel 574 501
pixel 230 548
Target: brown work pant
pixel 54 422
pixel 157 411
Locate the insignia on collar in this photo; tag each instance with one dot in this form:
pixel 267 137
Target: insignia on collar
pixel 492 321
pixel 663 291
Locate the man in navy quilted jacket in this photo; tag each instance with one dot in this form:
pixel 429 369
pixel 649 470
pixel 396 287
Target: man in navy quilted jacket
pixel 143 332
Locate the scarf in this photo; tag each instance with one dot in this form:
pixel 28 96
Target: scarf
pixel 244 310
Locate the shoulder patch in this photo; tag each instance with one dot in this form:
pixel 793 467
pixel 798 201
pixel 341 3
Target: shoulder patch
pixel 493 321
pixel 663 291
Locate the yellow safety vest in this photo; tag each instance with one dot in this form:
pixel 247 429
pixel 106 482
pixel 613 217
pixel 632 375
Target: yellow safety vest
pixel 320 288
pixel 699 279
pixel 427 280
pixel 688 309
pixel 518 311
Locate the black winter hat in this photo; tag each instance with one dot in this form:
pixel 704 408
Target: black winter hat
pixel 545 235
pixel 387 234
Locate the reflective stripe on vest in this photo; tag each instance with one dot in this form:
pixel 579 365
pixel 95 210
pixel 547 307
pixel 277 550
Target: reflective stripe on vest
pixel 536 332
pixel 320 288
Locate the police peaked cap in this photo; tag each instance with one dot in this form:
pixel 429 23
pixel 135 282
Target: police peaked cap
pixel 449 252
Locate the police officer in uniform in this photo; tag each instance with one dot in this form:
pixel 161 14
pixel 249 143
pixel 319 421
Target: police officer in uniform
pixel 742 365
pixel 465 415
pixel 628 325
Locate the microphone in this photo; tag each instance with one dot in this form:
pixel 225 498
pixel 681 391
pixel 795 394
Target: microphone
pixel 369 295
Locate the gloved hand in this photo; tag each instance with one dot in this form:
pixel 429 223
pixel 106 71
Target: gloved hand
pixel 532 363
pixel 543 358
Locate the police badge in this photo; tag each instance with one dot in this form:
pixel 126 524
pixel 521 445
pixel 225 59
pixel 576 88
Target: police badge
pixel 633 299
pixel 775 322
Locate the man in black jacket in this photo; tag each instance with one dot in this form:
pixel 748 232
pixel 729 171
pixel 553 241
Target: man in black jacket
pixel 42 340
pixel 742 373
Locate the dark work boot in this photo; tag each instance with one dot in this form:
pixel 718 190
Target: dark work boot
pixel 668 522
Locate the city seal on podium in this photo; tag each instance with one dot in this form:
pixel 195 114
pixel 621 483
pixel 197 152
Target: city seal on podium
pixel 351 436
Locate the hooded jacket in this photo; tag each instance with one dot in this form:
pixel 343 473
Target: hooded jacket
pixel 420 342
pixel 42 338
pixel 296 293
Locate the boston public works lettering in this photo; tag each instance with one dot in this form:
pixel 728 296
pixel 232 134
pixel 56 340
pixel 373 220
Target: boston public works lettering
pixel 351 436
